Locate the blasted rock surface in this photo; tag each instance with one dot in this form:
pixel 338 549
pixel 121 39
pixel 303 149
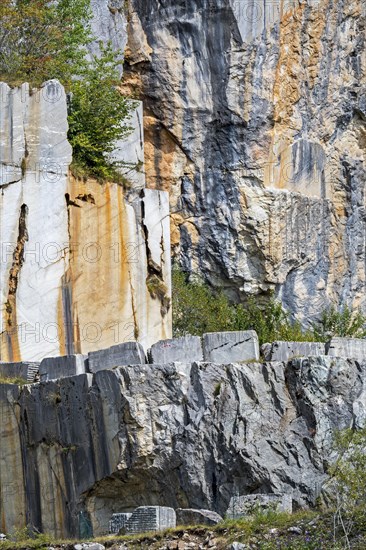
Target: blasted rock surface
pixel 180 435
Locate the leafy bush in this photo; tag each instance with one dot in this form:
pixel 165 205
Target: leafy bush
pixel 42 39
pixel 98 117
pixel 344 322
pixel 198 309
pixel 349 477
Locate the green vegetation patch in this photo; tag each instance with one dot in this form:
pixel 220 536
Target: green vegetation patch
pixel 197 308
pixel 42 40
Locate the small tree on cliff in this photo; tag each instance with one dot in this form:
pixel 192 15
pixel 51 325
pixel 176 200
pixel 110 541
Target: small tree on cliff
pixel 43 39
pixel 98 117
pixel 46 39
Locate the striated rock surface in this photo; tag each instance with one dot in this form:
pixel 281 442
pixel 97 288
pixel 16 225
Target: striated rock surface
pixel 83 265
pixel 255 121
pixel 178 435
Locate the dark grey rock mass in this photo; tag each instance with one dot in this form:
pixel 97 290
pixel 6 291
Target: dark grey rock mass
pixel 176 435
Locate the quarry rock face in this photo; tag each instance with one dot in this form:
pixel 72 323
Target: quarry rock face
pixel 190 435
pixel 254 119
pixel 80 261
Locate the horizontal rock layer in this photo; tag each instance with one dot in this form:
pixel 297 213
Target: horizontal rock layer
pixel 178 435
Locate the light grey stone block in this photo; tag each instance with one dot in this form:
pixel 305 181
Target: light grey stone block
pixel 245 505
pixel 25 370
pixel 352 348
pixel 128 353
pixel 190 516
pixel 231 347
pixel 118 522
pixel 53 368
pixel 284 351
pixel 151 518
pixel 187 350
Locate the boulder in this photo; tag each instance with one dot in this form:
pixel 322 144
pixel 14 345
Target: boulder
pixel 191 516
pixel 283 351
pixel 245 505
pixel 89 546
pixel 117 524
pixel 24 369
pixel 150 518
pixel 231 347
pixel 53 368
pixel 186 349
pixel 352 348
pixel 128 353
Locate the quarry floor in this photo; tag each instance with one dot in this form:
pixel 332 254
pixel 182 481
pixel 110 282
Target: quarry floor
pixel 307 530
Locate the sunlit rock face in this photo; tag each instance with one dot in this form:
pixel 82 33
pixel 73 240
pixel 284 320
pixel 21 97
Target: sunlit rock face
pixel 77 258
pixel 255 123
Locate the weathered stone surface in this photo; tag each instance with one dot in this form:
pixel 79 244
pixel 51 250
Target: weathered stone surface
pixel 148 435
pixel 89 546
pixel 22 370
pixel 91 253
pixel 128 353
pixel 130 151
pixel 53 368
pixel 118 523
pixel 245 505
pixel 150 518
pixel 283 351
pixel 109 25
pixel 187 350
pixel 255 122
pixel 353 348
pixel 237 546
pixel 230 347
pixel 190 516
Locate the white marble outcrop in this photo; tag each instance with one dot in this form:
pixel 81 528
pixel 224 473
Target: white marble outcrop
pixel 75 255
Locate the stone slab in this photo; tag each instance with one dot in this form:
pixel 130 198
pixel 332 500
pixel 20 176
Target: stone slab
pixel 284 351
pixel 231 347
pixel 245 505
pixel 191 516
pixel 351 348
pixel 128 353
pixel 151 518
pixel 187 349
pixel 118 523
pixel 18 370
pixel 53 368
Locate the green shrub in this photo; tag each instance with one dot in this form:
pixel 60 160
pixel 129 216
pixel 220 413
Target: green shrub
pixel 349 484
pixel 349 472
pixel 12 380
pixel 42 40
pixel 197 309
pixel 98 117
pixel 343 322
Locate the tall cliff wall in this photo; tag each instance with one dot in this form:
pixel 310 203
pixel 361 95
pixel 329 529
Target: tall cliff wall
pixel 180 435
pixel 80 261
pixel 255 122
